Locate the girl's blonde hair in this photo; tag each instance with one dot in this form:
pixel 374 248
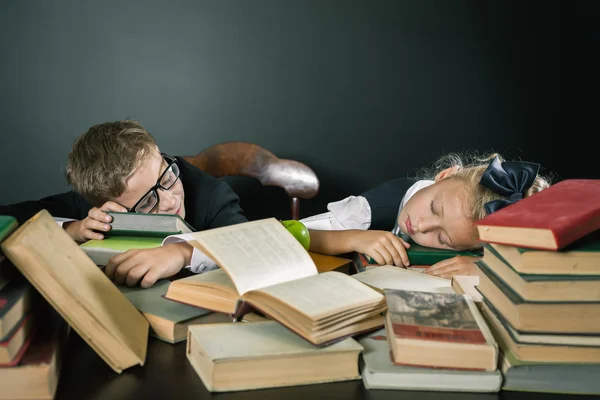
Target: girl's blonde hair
pixel 470 168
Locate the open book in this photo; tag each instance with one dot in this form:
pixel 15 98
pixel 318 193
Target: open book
pixel 265 268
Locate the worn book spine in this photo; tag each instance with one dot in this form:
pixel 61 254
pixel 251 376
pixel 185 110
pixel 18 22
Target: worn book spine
pixel 569 210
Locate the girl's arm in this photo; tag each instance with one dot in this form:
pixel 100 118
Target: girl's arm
pixel 384 247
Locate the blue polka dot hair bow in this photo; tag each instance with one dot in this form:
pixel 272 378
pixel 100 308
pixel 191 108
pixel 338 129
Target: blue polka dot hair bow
pixel 510 179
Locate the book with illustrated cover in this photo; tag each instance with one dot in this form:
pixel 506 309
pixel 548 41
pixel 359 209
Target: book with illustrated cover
pixel 234 357
pixel 265 269
pixel 147 225
pixel 443 330
pixel 79 291
pixel 379 372
pixel 548 220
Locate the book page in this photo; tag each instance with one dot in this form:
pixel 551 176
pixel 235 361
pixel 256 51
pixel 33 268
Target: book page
pixel 390 277
pixel 324 294
pixel 255 254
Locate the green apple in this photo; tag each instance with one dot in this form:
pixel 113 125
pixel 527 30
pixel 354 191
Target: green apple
pixel 299 231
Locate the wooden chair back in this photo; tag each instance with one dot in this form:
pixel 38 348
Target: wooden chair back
pixel 251 160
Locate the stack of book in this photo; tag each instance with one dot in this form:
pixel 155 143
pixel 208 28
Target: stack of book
pixel 31 337
pixel 539 282
pixel 433 342
pixel 61 289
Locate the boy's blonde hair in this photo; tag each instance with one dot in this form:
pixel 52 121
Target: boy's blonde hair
pixel 470 168
pixel 104 157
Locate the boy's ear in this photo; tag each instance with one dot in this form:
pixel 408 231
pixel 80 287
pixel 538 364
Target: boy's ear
pixel 446 172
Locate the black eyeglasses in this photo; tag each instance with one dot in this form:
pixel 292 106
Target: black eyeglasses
pixel 167 179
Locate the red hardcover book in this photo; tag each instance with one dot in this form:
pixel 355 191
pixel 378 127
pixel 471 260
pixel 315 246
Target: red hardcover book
pixel 439 330
pixel 548 220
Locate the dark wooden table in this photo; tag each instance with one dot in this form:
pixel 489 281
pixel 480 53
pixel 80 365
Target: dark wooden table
pixel 167 374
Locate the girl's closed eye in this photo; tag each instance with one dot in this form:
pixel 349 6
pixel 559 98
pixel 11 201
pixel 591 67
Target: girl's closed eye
pixel 431 207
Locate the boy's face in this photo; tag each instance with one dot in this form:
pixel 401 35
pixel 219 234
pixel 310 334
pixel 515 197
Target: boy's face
pixel 435 217
pixel 145 177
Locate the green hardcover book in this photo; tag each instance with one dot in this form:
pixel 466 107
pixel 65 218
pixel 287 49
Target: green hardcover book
pixel 7 225
pixel 147 225
pixel 537 316
pixel 579 258
pixel 417 255
pixel 545 377
pixel 102 250
pixel 168 319
pixel 542 287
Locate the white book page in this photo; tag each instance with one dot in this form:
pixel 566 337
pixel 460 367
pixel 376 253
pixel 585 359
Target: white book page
pixel 256 254
pixel 325 294
pixel 390 277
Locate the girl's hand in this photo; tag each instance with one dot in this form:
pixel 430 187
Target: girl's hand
pixel 459 265
pixel 382 246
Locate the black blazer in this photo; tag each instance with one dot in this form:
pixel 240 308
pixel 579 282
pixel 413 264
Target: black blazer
pixel 384 201
pixel 209 202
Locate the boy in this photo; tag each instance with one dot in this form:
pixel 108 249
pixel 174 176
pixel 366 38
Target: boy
pixel 117 166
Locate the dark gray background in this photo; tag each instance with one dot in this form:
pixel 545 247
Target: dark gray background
pixel 361 91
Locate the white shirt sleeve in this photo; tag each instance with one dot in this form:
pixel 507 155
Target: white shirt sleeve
pixel 200 262
pixel 60 221
pixel 353 212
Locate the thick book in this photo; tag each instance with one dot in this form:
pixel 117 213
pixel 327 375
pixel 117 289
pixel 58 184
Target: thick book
pixel 441 330
pixel 543 377
pixel 579 258
pixel 75 287
pixel 466 284
pixel 417 255
pixel 562 288
pixel 149 225
pixel 7 225
pixel 537 316
pixel 379 372
pixel 102 250
pixel 234 357
pixel 265 269
pixel 37 374
pixel 548 220
pixel 540 352
pixel 169 320
pixel 390 277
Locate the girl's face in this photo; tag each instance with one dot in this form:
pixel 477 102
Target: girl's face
pixel 436 217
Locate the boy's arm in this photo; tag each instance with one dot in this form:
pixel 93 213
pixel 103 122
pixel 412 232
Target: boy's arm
pixel 66 205
pixel 224 208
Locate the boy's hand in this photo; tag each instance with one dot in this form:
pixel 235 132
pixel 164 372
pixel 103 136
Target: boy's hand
pixel 97 220
pixel 459 265
pixel 382 246
pixel 149 265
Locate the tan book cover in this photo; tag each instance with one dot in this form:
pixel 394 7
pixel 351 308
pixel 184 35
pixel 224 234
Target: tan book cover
pixel 264 268
pixel 232 357
pixel 74 286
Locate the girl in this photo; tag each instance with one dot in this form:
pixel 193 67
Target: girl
pixel 439 212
